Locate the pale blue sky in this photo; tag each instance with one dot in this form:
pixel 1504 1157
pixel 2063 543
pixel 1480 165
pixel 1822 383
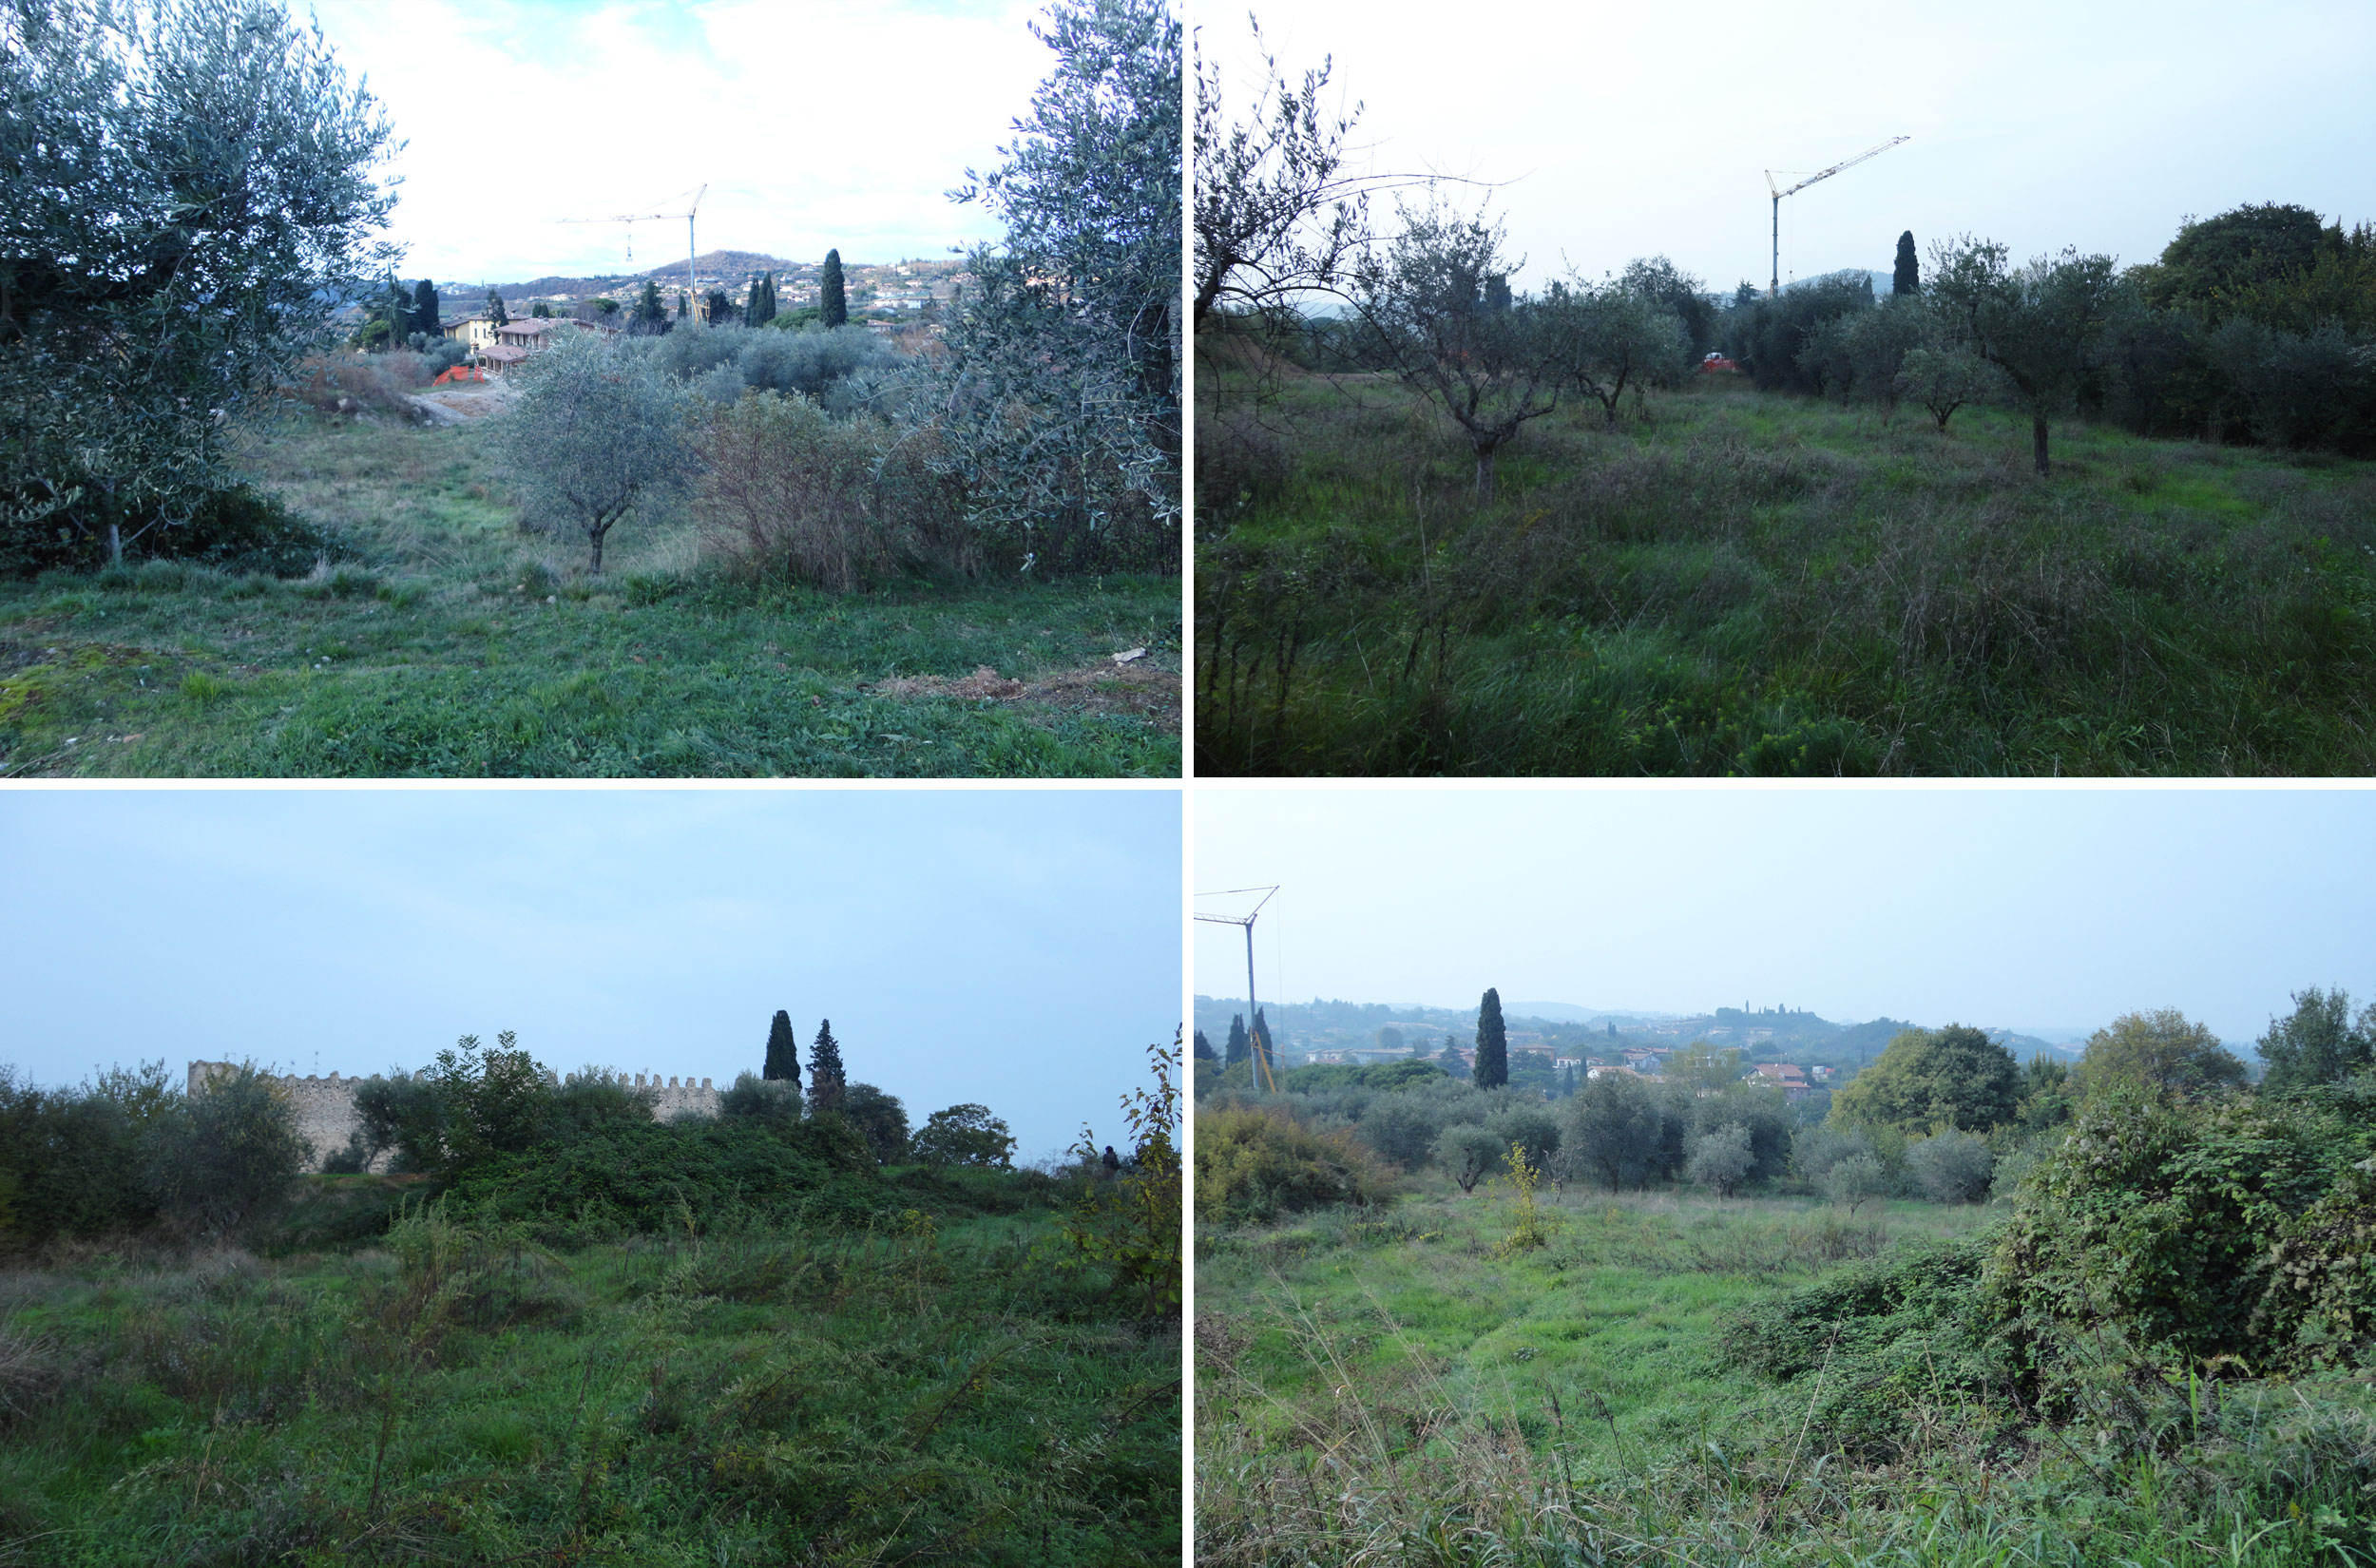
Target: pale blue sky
pixel 1627 130
pixel 2027 908
pixel 818 124
pixel 1014 947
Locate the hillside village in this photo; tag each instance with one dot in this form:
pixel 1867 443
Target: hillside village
pixel 890 298
pixel 1780 1047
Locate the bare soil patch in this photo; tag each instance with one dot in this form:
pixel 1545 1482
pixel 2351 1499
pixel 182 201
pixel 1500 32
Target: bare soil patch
pixel 1132 689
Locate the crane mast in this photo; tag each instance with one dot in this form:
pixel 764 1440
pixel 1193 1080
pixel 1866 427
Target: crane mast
pixel 1775 286
pixel 1257 1041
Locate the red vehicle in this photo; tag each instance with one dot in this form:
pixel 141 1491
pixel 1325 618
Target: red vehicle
pixel 1715 361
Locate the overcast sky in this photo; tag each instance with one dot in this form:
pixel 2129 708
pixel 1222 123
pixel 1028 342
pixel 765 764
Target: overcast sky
pixel 1628 130
pixel 821 124
pixel 1015 948
pixel 2014 908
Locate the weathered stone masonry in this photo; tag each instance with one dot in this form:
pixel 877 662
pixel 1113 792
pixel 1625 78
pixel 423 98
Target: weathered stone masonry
pixel 325 1106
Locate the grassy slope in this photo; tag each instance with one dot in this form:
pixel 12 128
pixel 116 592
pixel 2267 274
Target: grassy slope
pixel 1750 584
pixel 1451 1405
pixel 451 645
pixel 772 1397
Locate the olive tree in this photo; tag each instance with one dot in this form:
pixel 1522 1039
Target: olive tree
pixel 1432 302
pixel 2041 324
pixel 1721 1159
pixel 1056 402
pixel 1608 338
pixel 600 429
pixel 1944 378
pixel 220 1161
pixel 187 191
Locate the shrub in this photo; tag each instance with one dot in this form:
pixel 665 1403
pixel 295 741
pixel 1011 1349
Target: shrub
pixel 221 1162
pixel 1401 1128
pixel 789 492
pixel 237 530
pixel 1951 1167
pixel 1256 1164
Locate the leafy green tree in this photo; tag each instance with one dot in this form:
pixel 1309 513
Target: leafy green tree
pixel 188 189
pixel 966 1135
pixel 880 1119
pixel 1956 1077
pixel 830 296
pixel 427 313
pixel 1401 1128
pixel 2318 1043
pixel 1907 277
pixel 492 1101
pixel 2041 324
pixel 1702 1068
pixel 222 1161
pixel 1131 1220
pixel 1493 1052
pixel 1469 1153
pixel 783 1051
pixel 1615 1128
pixel 598 430
pixel 1450 1060
pixel 826 1081
pixel 495 312
pixel 2162 1049
pixel 2216 263
pixel 1532 1126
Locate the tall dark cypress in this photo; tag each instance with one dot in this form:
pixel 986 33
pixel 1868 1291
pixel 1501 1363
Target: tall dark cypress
pixel 1238 1050
pixel 426 310
pixel 1909 276
pixel 1204 1048
pixel 828 291
pixel 1261 1042
pixel 495 312
pixel 825 1079
pixel 783 1051
pixel 1493 1050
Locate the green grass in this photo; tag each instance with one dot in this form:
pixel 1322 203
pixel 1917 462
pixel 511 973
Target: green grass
pixel 444 642
pixel 1387 1388
pixel 1744 584
pixel 932 1391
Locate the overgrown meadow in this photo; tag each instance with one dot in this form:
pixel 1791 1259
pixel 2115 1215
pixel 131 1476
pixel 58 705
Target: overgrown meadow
pixel 1729 581
pixel 431 638
pixel 931 1385
pixel 1402 1384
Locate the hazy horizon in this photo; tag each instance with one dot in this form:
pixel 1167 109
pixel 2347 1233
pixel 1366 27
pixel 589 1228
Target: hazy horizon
pixel 1975 905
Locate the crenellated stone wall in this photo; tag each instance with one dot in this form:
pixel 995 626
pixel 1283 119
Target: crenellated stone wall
pixel 325 1114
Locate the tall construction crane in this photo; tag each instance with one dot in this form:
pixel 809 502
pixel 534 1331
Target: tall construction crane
pixel 693 293
pixel 1776 287
pixel 1259 1041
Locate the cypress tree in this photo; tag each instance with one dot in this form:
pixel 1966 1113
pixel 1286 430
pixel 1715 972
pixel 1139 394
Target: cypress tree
pixel 783 1052
pixel 495 312
pixel 426 310
pixel 540 309
pixel 1493 1052
pixel 825 1079
pixel 828 291
pixel 1909 276
pixel 722 310
pixel 1262 1042
pixel 1204 1048
pixel 755 305
pixel 1239 1051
